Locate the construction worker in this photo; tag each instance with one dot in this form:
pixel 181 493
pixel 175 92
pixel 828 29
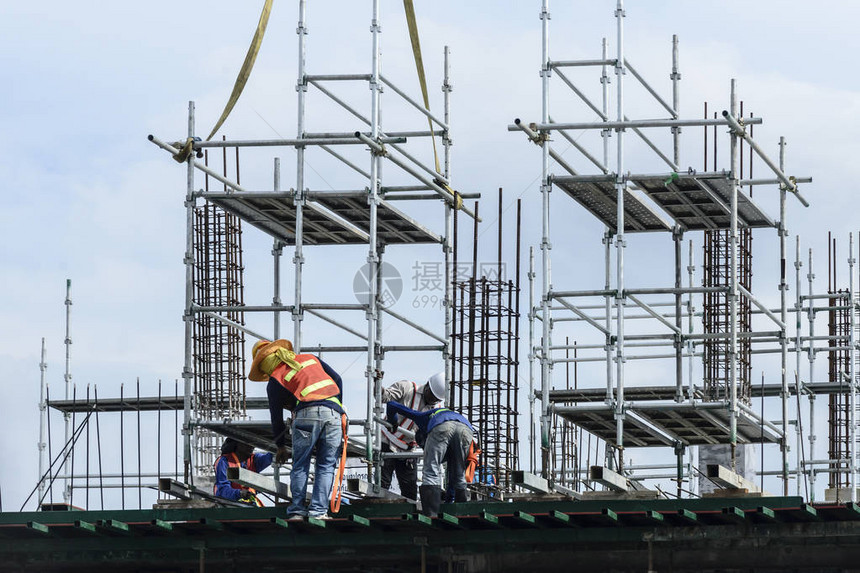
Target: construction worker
pixel 312 391
pixel 446 436
pixel 235 454
pixel 400 438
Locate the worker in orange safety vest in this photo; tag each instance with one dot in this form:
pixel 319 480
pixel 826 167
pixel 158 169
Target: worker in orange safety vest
pixel 311 390
pixel 235 454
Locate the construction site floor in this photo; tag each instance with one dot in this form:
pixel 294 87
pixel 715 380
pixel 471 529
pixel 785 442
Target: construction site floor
pixel 713 534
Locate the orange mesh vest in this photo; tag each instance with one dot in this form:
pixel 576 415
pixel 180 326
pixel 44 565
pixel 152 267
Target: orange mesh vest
pixel 309 384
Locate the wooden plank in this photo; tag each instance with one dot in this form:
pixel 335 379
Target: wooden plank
pixel 560 518
pixel 734 513
pixel 448 519
pixel 358 520
pixel 489 519
pixel 609 516
pixel 36 526
pixel 316 522
pixel 85 526
pixel 688 515
pixel 523 517
pixel 115 526
pixel 161 525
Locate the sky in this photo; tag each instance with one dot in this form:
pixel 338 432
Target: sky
pixel 87 198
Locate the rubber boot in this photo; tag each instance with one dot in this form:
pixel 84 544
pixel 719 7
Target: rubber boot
pixel 460 496
pixel 430 500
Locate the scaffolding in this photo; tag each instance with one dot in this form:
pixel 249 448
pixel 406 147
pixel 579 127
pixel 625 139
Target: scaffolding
pixel 675 201
pixel 302 217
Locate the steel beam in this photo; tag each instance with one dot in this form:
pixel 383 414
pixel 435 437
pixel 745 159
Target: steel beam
pixel 259 482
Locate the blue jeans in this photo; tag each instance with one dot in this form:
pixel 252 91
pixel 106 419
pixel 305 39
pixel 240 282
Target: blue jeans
pixel 314 426
pixel 449 441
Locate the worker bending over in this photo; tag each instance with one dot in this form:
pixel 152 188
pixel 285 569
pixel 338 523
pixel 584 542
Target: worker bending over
pixel 312 391
pixel 446 436
pixel 400 438
pixel 235 454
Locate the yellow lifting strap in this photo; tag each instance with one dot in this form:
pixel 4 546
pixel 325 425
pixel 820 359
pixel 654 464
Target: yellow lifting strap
pixel 247 66
pixel 419 64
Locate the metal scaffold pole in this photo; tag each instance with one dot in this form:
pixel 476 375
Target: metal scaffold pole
pixel 298 257
pixel 448 246
pixel 852 374
pixel 531 357
pixel 546 362
pixel 67 378
pixel 811 355
pixel 277 252
pixel 798 340
pixel 783 288
pixel 372 431
pixel 43 419
pixel 188 316
pixel 734 292
pixel 620 187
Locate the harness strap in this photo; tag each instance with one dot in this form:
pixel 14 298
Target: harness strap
pixel 337 490
pixel 472 462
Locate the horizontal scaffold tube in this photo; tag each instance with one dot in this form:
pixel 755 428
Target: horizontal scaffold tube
pixel 290 142
pixel 641 123
pixel 211 172
pixel 739 130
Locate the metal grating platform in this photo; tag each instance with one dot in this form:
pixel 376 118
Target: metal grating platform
pixel 694 202
pixel 336 220
pixel 598 195
pixel 702 201
pixel 691 424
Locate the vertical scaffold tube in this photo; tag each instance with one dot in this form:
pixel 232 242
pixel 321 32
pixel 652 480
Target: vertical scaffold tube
pixel 678 236
pixel 298 256
pixel 620 185
pixel 531 278
pixel 277 251
pixel 188 317
pixel 783 288
pixel 851 367
pixel 43 420
pixel 546 362
pixel 676 100
pixel 67 378
pixel 734 293
pixel 372 429
pixel 798 315
pixel 607 235
pixel 810 275
pixel 448 245
pixel 690 348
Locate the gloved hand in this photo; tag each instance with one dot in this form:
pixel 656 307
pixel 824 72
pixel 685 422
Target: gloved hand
pixel 283 455
pixel 249 498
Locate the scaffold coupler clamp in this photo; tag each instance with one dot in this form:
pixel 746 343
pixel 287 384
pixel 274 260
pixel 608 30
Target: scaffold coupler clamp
pixel 186 148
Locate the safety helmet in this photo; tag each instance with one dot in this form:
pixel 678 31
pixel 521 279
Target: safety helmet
pixel 437 385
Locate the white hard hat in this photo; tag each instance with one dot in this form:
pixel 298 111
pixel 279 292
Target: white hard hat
pixel 437 385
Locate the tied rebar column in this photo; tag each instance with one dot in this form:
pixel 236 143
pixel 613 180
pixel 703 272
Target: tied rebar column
pixel 838 357
pixel 219 349
pixel 485 385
